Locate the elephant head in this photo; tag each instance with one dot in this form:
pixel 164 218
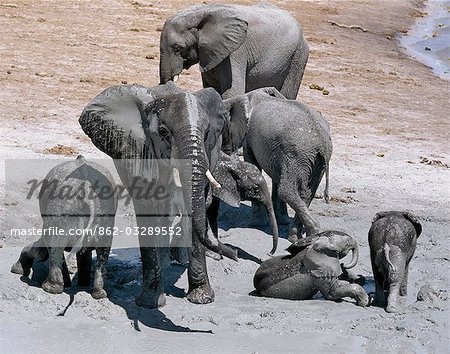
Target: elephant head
pixel 192 124
pixel 408 216
pixel 201 34
pixel 324 252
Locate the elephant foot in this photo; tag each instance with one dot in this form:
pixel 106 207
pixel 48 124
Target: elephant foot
pixel 99 294
pixel 150 299
pixel 16 268
pixel 363 300
pixel 392 308
pixel 52 288
pixel 202 295
pixel 292 238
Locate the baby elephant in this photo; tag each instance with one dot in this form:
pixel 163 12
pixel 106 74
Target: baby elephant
pixel 392 239
pixel 78 203
pixel 312 266
pixel 238 181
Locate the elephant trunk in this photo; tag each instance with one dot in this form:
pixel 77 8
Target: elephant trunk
pixel 355 255
pixel 273 223
pixel 169 68
pixel 191 149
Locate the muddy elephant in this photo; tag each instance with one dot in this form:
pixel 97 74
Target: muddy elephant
pixel 311 267
pixel 239 48
pixel 155 135
pixel 392 240
pixel 240 181
pixel 78 198
pixel 291 142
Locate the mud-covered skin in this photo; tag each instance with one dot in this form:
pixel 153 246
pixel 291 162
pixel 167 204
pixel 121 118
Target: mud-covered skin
pixel 392 240
pixel 141 128
pixel 240 181
pixel 308 270
pixel 85 211
pixel 238 48
pixel 291 142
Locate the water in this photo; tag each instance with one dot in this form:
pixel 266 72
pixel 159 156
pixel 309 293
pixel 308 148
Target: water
pixel 429 40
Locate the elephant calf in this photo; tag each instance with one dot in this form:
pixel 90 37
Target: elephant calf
pixel 392 239
pixel 239 181
pixel 311 267
pixel 75 196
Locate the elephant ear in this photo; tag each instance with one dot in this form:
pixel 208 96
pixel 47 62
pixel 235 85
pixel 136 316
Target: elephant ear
pixel 113 121
pixel 319 263
pixel 237 112
pixel 414 221
pixel 219 35
pixel 212 105
pixel 229 191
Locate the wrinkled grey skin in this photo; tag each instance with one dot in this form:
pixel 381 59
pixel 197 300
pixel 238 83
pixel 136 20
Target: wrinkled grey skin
pixel 133 122
pixel 88 210
pixel 307 270
pixel 392 240
pixel 239 48
pixel 240 181
pixel 290 142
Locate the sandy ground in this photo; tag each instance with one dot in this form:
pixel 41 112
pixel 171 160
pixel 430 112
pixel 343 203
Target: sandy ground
pixel 387 114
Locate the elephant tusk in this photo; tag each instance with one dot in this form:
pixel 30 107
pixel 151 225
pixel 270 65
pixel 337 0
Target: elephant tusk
pixel 175 78
pixel 212 179
pixel 176 177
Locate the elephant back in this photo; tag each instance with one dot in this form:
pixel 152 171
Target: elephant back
pixel 277 269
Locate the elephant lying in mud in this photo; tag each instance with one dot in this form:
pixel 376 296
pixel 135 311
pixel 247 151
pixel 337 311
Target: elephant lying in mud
pixel 239 181
pixel 392 239
pixel 290 142
pixel 239 48
pixel 312 266
pixel 76 196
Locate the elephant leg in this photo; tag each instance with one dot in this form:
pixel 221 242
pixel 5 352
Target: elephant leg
pixel 380 297
pixel 404 284
pixel 84 262
pixel 279 206
pixel 288 192
pixel 200 291
pixel 152 292
pixel 98 291
pixel 259 213
pixel 392 300
pixel 340 289
pixel 55 283
pixel 294 77
pixel 36 250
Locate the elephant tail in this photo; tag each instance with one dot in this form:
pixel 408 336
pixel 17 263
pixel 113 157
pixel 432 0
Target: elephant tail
pixel 386 250
pixel 93 204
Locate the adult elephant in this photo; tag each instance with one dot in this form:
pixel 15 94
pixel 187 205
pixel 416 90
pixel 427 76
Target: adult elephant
pixel 290 141
pixel 311 267
pixel 239 48
pixel 140 128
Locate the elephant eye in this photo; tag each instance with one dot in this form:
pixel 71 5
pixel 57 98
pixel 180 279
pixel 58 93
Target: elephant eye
pixel 164 132
pixel 177 48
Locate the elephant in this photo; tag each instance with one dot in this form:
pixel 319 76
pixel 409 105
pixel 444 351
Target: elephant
pixel 79 198
pixel 312 266
pixel 392 240
pixel 238 48
pixel 290 142
pixel 238 181
pixel 154 135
